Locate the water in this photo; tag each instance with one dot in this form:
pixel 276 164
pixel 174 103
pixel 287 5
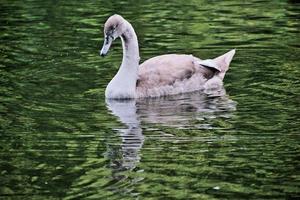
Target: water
pixel 60 139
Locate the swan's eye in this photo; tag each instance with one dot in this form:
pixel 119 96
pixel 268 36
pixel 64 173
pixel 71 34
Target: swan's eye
pixel 111 29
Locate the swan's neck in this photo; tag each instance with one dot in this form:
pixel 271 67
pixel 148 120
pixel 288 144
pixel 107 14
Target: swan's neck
pixel 130 48
pixel 123 85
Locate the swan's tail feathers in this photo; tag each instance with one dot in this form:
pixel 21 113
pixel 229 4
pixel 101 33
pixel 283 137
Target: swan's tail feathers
pixel 223 62
pixel 220 64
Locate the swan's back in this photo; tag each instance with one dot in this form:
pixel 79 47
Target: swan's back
pixel 171 74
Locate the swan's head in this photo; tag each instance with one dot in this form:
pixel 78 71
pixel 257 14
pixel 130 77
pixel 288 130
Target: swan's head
pixel 113 28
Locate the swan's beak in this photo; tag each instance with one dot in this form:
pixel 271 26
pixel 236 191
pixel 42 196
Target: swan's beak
pixel 106 45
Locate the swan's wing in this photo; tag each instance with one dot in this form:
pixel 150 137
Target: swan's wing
pixel 167 69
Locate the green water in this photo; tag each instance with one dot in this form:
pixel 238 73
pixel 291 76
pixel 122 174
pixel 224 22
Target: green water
pixel 60 139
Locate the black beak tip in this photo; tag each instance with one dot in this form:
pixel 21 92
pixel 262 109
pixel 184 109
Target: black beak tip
pixel 102 54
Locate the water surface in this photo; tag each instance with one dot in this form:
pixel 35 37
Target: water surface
pixel 60 139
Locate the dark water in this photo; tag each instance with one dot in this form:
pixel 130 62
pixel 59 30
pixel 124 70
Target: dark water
pixel 60 139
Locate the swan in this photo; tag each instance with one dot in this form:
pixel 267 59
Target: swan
pixel 162 75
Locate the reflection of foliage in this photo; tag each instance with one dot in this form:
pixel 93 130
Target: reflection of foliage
pixel 56 135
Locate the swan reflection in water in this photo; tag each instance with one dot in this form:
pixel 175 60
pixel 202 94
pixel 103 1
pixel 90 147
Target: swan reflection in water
pixel 179 111
pixel 132 136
